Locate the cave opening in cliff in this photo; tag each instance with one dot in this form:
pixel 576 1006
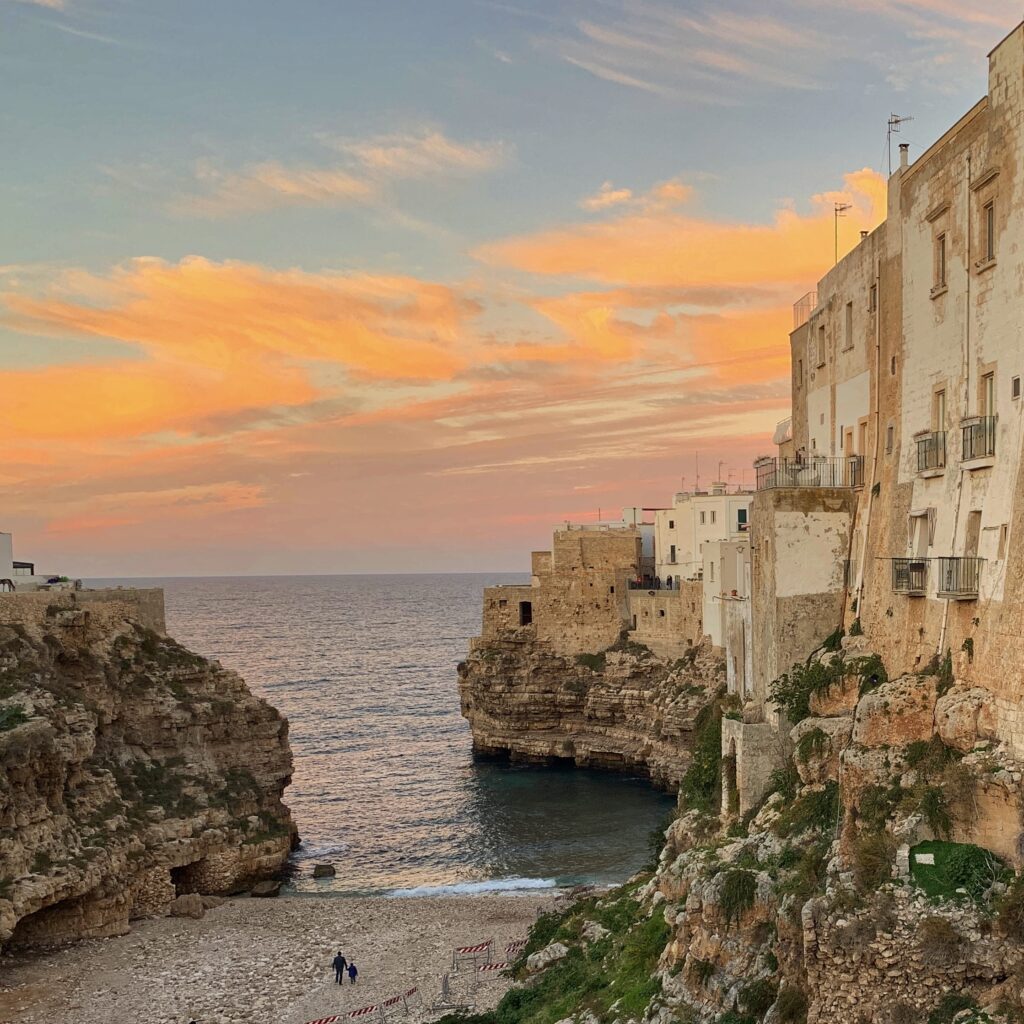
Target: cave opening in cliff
pixel 525 613
pixel 186 878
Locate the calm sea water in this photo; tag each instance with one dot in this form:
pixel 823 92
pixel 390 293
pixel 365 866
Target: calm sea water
pixel 385 783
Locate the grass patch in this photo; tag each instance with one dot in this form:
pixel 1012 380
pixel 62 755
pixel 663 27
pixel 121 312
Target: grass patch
pixel 957 866
pixel 950 1005
pixel 618 969
pixel 811 744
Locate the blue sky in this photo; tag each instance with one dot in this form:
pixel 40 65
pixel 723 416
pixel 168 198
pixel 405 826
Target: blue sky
pixel 456 158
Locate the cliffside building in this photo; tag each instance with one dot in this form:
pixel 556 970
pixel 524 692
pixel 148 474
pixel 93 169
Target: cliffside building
pixel 899 501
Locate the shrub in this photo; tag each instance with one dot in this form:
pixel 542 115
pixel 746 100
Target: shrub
pixel 945 674
pixel 700 785
pixel 808 874
pixel 933 808
pixel 791 1006
pixel 737 894
pixel 818 810
pixel 872 860
pixel 876 804
pixel 834 641
pixel 939 940
pixel 949 1006
pixel 595 662
pixel 793 690
pixel 10 717
pixel 871 672
pixel 811 744
pixel 1010 909
pixel 856 629
pixel 785 781
pixel 702 971
pixel 656 841
pixel 758 997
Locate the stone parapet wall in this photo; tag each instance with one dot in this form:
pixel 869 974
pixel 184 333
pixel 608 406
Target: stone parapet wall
pixel 103 608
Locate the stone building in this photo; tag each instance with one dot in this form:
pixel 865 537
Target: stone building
pixel 898 502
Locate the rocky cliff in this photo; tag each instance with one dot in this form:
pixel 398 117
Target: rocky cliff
pixel 877 881
pixel 622 708
pixel 132 771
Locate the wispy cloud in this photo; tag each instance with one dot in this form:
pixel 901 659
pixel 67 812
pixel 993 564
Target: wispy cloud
pixel 605 197
pixel 53 5
pixel 366 168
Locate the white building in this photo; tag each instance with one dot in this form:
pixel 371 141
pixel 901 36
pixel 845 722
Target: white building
pixel 726 567
pixel 15 575
pixel 695 520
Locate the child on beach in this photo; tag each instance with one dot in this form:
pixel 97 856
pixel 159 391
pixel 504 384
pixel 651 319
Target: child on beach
pixel 352 972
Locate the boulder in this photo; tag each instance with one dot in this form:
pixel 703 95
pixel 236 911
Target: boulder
pixel 265 890
pixel 897 713
pixel 594 931
pixel 324 871
pixel 548 955
pixel 817 757
pixel 188 905
pixel 964 717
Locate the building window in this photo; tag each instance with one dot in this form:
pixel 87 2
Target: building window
pixel 713 515
pixel 711 571
pixel 939 410
pixel 1015 387
pixel 525 613
pixel 892 367
pixel 848 328
pixel 671 524
pixel 1003 532
pixel 873 299
pixel 703 516
pixel 988 395
pixel 741 519
pixel 502 603
pixel 672 554
pixel 990 230
pixel 940 263
pixel 890 438
pixel 821 345
pixel 840 437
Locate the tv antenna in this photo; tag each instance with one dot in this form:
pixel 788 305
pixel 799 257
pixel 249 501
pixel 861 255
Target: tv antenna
pixel 840 211
pixel 895 122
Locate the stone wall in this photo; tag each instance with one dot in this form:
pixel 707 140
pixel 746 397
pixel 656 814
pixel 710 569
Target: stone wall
pixel 801 539
pixel 104 608
pixel 667 621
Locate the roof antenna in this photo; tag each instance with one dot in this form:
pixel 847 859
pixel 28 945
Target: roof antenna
pixel 895 120
pixel 840 211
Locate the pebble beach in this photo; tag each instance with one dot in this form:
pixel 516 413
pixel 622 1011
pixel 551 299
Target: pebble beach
pixel 267 961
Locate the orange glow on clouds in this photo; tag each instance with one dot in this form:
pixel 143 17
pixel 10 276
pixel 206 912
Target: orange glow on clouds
pixel 255 409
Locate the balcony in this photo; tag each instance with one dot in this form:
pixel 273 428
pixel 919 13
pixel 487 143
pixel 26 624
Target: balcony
pixel 979 438
pixel 810 472
pixel 931 451
pixel 958 578
pixel 910 576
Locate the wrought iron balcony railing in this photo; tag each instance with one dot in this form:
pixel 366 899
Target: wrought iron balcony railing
pixel 931 451
pixel 958 578
pixel 979 438
pixel 810 472
pixel 910 576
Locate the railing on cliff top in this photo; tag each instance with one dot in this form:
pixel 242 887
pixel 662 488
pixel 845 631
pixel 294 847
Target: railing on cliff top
pixel 810 472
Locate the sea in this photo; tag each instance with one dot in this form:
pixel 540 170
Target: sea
pixel 386 786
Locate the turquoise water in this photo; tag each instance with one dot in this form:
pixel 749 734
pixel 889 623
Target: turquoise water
pixel 385 783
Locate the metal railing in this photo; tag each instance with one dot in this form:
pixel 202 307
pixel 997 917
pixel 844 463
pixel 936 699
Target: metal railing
pixel 958 578
pixel 931 451
pixel 979 438
pixel 803 308
pixel 810 472
pixel 910 576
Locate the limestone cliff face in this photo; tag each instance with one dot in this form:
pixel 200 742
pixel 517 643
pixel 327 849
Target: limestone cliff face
pixel 623 708
pixel 131 771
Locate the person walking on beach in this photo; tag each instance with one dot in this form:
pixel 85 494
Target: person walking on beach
pixel 339 963
pixel 352 972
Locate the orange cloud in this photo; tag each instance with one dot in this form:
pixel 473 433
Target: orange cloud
pixel 657 247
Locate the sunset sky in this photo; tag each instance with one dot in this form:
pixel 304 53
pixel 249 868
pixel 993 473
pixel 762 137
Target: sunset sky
pixel 348 286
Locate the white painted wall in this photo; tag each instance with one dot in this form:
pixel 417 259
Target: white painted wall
pixel 6 556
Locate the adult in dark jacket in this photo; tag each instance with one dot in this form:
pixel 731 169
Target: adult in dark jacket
pixel 339 963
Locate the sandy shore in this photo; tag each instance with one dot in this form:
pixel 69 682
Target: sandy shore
pixel 264 961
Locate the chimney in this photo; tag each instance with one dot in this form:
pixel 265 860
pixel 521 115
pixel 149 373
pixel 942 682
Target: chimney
pixel 904 155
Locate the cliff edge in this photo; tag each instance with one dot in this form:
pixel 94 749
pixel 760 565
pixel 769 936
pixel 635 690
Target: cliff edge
pixel 132 771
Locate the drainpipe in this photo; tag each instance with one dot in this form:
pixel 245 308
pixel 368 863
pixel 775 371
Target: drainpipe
pixel 967 394
pixel 878 430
